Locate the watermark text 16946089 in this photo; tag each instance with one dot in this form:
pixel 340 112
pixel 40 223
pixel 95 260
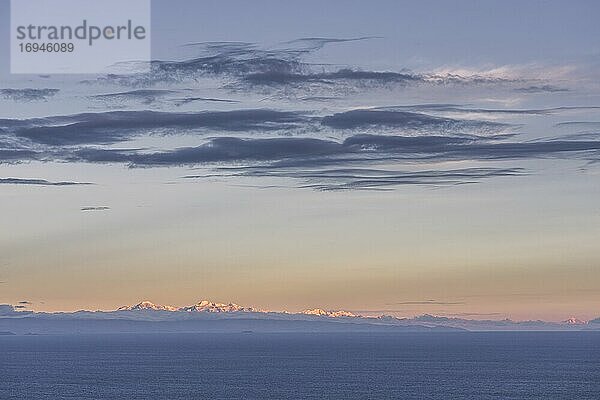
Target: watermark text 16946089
pixel 80 36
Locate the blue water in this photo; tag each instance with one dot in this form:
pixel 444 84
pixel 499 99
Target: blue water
pixel 302 366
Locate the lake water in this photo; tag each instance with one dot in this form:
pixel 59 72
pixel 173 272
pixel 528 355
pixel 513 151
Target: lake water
pixel 451 366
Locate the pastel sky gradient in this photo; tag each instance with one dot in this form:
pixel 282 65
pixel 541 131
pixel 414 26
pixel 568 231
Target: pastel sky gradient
pixel 448 162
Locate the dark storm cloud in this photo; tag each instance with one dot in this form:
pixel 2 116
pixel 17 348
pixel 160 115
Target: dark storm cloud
pixel 27 94
pixel 38 182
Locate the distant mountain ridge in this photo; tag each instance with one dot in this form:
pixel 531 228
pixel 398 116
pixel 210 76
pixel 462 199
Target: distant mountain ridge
pixel 209 316
pixel 214 307
pixel 147 306
pixel 202 306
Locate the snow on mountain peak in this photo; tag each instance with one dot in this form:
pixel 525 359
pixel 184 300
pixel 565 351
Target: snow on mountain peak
pixel 207 306
pixel 574 321
pixel 328 313
pixel 212 307
pixel 147 305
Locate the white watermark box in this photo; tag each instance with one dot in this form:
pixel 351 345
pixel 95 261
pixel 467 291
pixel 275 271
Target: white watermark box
pixel 79 36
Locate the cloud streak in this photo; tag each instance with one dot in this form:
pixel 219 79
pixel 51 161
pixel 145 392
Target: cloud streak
pixel 541 89
pixel 116 126
pixel 95 208
pixel 111 127
pixel 342 163
pixel 374 179
pixel 39 182
pixel 250 67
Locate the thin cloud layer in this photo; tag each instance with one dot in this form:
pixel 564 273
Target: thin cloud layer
pixel 324 148
pixel 117 126
pixel 323 164
pixel 374 179
pixel 541 89
pixel 95 208
pixel 38 182
pixel 249 67
pixel 457 108
pixel 144 96
pixel 405 120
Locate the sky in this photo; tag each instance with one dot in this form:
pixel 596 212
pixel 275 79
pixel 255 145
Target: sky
pixel 404 158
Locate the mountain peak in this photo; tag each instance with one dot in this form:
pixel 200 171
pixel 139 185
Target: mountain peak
pixel 212 307
pixel 147 306
pixel 328 313
pixel 574 321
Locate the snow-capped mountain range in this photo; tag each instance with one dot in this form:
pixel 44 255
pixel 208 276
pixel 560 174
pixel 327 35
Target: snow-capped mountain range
pixel 209 316
pixel 147 305
pixel 213 307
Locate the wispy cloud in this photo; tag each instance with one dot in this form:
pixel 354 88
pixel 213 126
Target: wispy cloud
pixel 39 182
pixel 541 89
pixel 369 179
pixel 307 158
pixel 144 96
pixel 457 108
pixel 95 208
pixel 186 100
pixel 350 148
pixel 250 67
pixel 116 126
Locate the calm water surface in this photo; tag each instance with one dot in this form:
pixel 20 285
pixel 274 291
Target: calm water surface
pixel 302 366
